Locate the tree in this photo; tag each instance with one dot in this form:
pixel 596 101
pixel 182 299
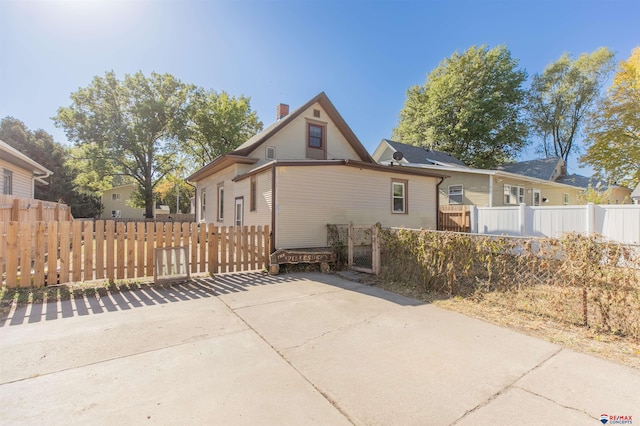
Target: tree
pixel 40 147
pixel 215 124
pixel 613 129
pixel 469 107
pixel 560 97
pixel 129 124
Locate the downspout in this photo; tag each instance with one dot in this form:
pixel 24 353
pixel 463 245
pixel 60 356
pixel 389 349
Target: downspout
pixel 438 203
pixel 273 209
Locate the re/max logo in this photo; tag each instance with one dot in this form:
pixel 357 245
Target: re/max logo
pixel 616 420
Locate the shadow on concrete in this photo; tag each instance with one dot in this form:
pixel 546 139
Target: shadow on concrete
pixel 92 301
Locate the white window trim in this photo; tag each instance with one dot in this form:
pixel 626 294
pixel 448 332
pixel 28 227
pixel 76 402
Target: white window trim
pixel 535 191
pixel 565 199
pixel 514 198
pixel 403 185
pixel 203 204
pixel 220 204
pixel 115 196
pixel 456 193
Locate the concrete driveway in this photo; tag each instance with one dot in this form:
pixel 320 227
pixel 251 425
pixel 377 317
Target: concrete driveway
pixel 290 350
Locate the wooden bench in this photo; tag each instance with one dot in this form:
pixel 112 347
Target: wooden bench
pixel 282 256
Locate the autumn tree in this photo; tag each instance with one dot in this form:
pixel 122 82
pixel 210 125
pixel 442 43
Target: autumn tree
pixel 43 149
pixel 613 129
pixel 129 124
pixel 562 95
pixel 469 107
pixel 216 123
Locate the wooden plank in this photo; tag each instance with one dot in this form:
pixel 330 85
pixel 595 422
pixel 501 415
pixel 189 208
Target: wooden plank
pixel 259 254
pixel 3 244
pixel 176 234
pixel 210 248
pixel 25 254
pixel 65 251
pixel 267 247
pixel 12 253
pixel 223 249
pixel 215 254
pixel 159 234
pixel 99 233
pixel 120 250
pixel 232 248
pixel 151 241
pixel 131 249
pixel 252 258
pixel 111 250
pixel 240 231
pixel 76 249
pixel 140 249
pixel 39 255
pixel 88 251
pixel 52 253
pixel 203 247
pixel 168 243
pixel 194 247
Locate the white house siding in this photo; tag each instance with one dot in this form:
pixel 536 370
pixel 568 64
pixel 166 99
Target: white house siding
pixel 22 180
pixel 291 141
pixel 348 194
pixel 210 185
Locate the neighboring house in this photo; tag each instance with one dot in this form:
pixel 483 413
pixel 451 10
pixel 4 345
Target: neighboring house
pixel 480 187
pixel 116 204
pixel 305 171
pixel 19 172
pixel 635 195
pixel 554 169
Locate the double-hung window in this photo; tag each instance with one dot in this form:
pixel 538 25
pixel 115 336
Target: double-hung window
pixel 455 194
pixel 513 194
pixel 315 136
pixel 220 209
pixel 399 196
pixel 7 186
pixel 203 204
pixel 253 196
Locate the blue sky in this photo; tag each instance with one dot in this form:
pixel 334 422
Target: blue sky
pixel 363 54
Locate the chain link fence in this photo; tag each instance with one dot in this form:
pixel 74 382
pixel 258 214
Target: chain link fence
pixel 576 279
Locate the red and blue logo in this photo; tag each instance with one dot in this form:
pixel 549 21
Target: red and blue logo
pixel 616 420
pixel 604 418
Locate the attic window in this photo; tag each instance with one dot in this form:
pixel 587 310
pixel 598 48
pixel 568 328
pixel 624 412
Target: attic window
pixel 315 136
pixel 316 113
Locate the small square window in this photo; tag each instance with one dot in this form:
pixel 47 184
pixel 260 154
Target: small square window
pixel 270 153
pixel 455 194
pixel 115 196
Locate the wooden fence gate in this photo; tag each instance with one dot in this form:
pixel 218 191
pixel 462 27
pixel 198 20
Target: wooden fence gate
pixel 363 248
pixel 454 218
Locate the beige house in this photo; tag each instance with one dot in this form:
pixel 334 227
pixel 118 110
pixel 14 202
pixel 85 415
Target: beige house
pixel 533 183
pixel 305 171
pixel 116 204
pixel 19 172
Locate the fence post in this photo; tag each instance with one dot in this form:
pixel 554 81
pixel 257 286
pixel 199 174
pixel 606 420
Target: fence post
pixel 15 210
pixel 473 218
pixel 522 214
pixel 591 218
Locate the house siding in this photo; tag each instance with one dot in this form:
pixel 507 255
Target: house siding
pixel 348 194
pixel 22 180
pixel 291 141
pixel 475 188
pixel 553 194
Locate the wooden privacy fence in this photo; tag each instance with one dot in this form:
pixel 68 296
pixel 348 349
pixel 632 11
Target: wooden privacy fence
pixel 28 210
pixel 37 254
pixel 455 218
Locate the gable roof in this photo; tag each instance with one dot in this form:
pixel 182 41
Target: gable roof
pixel 14 156
pixel 539 169
pixel 321 98
pixel 585 182
pixel 422 155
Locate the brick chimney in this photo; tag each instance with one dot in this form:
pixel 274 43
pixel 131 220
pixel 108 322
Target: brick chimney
pixel 282 111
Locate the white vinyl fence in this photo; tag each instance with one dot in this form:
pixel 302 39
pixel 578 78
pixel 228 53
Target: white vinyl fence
pixel 615 222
